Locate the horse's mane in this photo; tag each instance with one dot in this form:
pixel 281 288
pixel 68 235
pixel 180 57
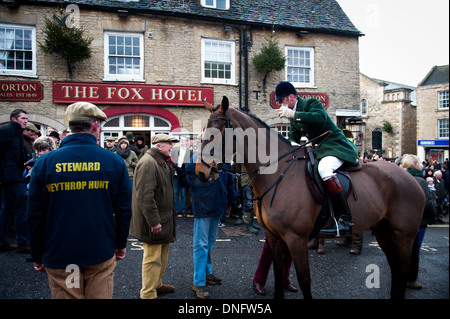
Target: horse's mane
pixel 264 124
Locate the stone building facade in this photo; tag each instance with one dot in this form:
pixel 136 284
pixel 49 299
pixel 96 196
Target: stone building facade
pixel 432 115
pixel 388 111
pixel 173 54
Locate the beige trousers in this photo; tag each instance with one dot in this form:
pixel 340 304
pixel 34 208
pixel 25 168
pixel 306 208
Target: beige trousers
pixel 91 282
pixel 154 263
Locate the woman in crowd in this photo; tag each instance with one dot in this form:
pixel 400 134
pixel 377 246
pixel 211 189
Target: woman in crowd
pixel 129 157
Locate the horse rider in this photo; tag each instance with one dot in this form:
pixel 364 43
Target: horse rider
pixel 309 118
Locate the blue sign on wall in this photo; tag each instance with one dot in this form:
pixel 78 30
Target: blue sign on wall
pixel 431 143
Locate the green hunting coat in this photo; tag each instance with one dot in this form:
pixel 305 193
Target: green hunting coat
pixel 311 120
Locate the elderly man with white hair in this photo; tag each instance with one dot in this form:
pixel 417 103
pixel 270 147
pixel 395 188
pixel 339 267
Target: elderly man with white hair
pixel 440 194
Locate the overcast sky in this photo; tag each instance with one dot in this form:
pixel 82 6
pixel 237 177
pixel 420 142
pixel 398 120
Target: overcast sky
pixel 403 39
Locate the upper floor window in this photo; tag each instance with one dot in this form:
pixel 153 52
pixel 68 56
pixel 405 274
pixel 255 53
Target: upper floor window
pixel 363 107
pixel 300 66
pixel 124 56
pixel 216 4
pixel 443 128
pixel 17 50
pixel 218 61
pixel 442 100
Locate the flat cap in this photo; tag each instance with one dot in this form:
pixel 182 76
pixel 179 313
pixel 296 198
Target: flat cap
pixel 31 127
pixel 84 111
pixel 158 138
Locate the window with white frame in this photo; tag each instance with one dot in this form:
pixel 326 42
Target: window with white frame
pixel 216 4
pixel 124 56
pixel 218 61
pixel 17 50
pixel 117 126
pixel 300 66
pixel 443 128
pixel 283 129
pixel 442 100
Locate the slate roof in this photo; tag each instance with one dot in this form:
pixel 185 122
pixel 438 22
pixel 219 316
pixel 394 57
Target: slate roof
pixel 323 16
pixel 437 75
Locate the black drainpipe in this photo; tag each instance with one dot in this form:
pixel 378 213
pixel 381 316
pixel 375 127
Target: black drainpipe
pixel 245 71
pixel 244 43
pixel 240 66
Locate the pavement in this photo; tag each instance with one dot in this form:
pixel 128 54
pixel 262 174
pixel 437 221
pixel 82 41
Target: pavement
pixel 336 275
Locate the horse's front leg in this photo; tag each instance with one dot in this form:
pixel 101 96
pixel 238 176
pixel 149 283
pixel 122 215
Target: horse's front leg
pixel 277 247
pixel 298 247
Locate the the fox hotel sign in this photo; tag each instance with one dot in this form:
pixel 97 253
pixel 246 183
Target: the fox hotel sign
pixel 131 94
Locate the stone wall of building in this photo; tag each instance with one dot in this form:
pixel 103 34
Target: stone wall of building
pixel 173 57
pixel 409 129
pixel 428 112
pixel 388 106
pixel 372 92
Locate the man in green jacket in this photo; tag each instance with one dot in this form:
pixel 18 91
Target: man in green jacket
pixel 152 221
pixel 309 118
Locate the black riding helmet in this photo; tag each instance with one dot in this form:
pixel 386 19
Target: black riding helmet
pixel 284 88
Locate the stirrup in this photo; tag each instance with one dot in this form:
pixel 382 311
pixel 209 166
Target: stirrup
pixel 335 228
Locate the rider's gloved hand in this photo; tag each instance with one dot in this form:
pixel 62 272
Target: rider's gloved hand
pixel 286 112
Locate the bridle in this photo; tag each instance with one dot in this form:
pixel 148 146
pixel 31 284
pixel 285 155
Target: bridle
pixel 218 166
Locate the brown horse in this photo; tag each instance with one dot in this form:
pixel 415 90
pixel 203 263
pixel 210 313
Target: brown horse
pixel 389 200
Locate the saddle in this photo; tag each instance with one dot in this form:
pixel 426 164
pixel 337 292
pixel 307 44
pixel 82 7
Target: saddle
pixel 317 188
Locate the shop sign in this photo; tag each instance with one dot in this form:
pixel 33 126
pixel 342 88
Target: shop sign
pixel 131 94
pixel 30 91
pixel 432 143
pixel 321 97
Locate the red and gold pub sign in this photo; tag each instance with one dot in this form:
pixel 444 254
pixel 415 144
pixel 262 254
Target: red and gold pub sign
pixel 30 91
pixel 131 94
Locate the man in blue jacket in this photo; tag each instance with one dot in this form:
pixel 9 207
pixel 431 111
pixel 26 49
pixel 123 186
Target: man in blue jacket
pixel 79 210
pixel 209 202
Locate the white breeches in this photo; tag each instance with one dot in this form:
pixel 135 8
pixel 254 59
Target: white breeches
pixel 328 165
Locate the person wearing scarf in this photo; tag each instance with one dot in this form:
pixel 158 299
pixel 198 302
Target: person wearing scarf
pixel 128 156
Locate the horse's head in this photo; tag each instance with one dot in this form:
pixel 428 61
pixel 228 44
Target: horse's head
pixel 210 162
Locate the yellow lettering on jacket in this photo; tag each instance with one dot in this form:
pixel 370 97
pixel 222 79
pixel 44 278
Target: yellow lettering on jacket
pixel 79 185
pixel 77 167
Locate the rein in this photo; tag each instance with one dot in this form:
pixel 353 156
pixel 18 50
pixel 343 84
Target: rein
pixel 277 182
pixel 257 171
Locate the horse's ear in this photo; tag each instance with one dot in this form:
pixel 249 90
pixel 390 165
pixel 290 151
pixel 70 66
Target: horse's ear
pixel 208 106
pixel 224 105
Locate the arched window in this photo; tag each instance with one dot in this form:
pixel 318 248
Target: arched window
pixel 150 124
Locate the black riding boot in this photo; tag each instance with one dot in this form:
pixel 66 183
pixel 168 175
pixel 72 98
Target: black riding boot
pixel 343 226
